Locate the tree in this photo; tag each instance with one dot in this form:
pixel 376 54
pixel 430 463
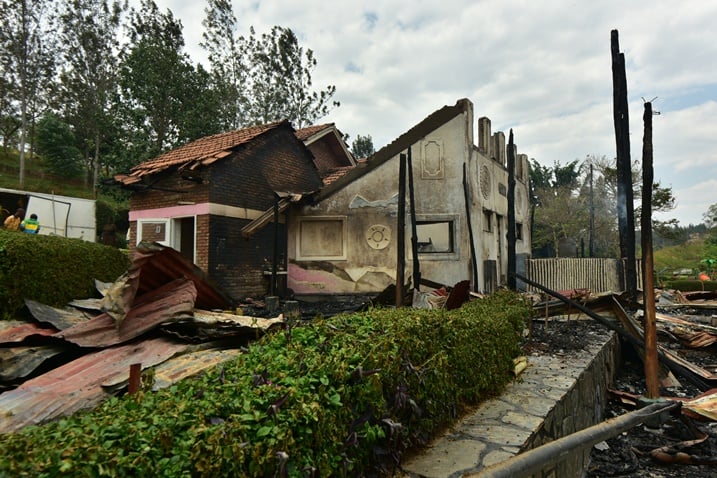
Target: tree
pixel 362 147
pixel 262 79
pixel 710 216
pixel 558 211
pixel 89 82
pixel 563 202
pixel 57 144
pixel 225 51
pixel 165 101
pixel 27 59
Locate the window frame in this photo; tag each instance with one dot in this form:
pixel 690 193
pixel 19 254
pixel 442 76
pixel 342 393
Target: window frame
pixel 344 238
pixel 454 221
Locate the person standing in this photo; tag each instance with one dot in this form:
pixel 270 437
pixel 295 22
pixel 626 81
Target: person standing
pixel 30 226
pixel 12 223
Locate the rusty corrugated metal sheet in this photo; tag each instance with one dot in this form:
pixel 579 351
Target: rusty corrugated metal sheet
pixel 705 405
pixel 19 362
pixel 561 273
pixel 61 319
pixel 78 385
pixel 14 331
pixel 172 300
pixel 190 364
pixel 160 265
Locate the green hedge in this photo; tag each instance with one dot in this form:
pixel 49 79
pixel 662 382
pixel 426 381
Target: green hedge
pixel 341 396
pixel 690 285
pixel 52 270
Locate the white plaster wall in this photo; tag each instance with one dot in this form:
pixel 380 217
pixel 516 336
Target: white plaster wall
pixel 438 181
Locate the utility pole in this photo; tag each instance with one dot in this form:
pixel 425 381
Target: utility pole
pixel 625 207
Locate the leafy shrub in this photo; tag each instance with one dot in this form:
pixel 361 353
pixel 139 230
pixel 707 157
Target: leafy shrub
pixel 690 285
pixel 52 270
pixel 334 397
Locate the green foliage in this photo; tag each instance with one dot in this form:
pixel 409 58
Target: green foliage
pixel 57 144
pixel 690 285
pixel 362 147
pixel 261 78
pixel 52 270
pixel 686 255
pixel 334 397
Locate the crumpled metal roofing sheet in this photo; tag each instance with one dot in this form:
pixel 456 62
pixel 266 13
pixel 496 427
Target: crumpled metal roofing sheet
pixel 160 265
pixel 19 362
pixel 78 385
pixel 14 331
pixel 187 365
pixel 61 319
pixel 172 300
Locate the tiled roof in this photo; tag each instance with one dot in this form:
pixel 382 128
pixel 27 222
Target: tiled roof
pixel 335 174
pixel 202 152
pixel 305 133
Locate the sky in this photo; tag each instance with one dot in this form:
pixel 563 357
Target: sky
pixel 542 69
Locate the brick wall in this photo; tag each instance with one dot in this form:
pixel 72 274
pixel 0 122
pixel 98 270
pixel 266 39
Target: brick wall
pixel 236 264
pixel 277 161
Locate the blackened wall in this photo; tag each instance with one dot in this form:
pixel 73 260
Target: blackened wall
pixel 238 264
pixel 275 161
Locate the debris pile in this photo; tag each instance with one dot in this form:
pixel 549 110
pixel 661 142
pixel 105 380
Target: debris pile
pixel 687 436
pixel 162 314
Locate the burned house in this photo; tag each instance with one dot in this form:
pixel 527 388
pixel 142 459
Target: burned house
pixel 270 210
pixel 346 240
pixel 198 197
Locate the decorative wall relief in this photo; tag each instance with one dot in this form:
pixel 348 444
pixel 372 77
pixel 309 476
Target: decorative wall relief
pixel 378 236
pixel 485 181
pixel 432 164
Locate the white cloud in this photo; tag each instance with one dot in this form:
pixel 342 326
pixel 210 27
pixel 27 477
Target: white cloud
pixel 542 68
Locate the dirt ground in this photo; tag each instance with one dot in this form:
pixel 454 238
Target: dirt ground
pixel 628 454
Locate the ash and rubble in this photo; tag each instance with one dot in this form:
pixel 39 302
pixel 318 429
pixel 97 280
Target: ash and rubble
pixel 684 443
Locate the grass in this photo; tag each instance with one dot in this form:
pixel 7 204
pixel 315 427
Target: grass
pixel 37 178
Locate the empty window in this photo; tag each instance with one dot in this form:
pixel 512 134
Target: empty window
pixel 518 231
pixel 435 236
pixel 487 220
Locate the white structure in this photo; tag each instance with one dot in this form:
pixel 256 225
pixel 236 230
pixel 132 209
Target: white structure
pixel 58 215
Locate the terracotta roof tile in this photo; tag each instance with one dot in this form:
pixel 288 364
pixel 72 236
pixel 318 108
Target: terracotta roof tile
pixel 305 133
pixel 335 174
pixel 203 151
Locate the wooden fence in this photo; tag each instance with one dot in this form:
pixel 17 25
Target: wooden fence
pixel 596 274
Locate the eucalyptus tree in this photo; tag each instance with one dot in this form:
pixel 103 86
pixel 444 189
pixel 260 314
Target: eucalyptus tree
pixel 90 32
pixel 362 146
pixel 578 201
pixel 27 60
pixel 262 78
pixel 165 100
pixel 225 52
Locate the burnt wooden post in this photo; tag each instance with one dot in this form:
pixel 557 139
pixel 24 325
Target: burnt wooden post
pixel 625 207
pixel 466 195
pixel 401 230
pixel 275 259
pixel 591 243
pixel 511 212
pixel 651 359
pixel 414 234
pixel 135 378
